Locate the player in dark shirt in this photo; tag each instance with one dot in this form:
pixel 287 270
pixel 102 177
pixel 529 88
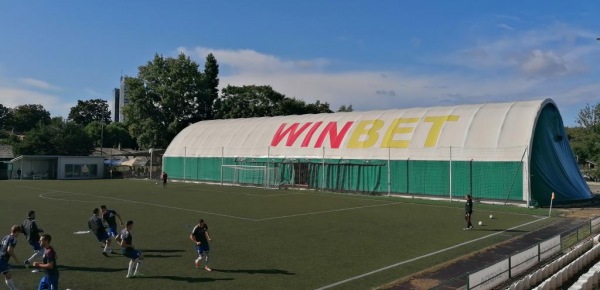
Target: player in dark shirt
pixel 95 224
pixel 110 217
pixel 50 279
pixel 164 177
pixel 7 250
pixel 32 233
pixel 468 211
pixel 135 257
pixel 201 238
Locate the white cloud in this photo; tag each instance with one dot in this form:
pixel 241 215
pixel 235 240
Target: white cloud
pixel 37 84
pixel 251 60
pixel 13 97
pixel 505 26
pixel 539 63
pixel 365 90
pixel 554 50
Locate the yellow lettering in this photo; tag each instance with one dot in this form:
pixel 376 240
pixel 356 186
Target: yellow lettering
pixel 396 128
pixel 367 128
pixel 436 128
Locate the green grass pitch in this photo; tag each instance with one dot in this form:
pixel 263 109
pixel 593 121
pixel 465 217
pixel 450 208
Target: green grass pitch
pixel 262 239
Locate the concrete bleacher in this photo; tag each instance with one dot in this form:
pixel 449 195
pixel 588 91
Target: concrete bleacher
pixel 556 274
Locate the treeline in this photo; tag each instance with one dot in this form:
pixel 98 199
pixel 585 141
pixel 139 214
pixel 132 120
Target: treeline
pixel 167 95
pixel 585 139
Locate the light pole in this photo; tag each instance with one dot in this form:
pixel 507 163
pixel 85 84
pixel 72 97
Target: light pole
pixel 102 138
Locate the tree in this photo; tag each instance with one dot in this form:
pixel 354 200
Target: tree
pixel 343 108
pixel 27 117
pixel 319 107
pixel 112 135
pixel 589 117
pixel 247 102
pixel 5 118
pixel 211 85
pixel 89 111
pixel 56 138
pixel 167 95
pixel 262 101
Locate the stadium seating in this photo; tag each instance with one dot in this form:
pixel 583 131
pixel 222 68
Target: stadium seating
pixel 565 268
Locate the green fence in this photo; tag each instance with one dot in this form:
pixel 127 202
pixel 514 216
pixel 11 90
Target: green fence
pixel 490 180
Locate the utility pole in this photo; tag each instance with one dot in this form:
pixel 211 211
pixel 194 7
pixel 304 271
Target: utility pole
pixel 102 138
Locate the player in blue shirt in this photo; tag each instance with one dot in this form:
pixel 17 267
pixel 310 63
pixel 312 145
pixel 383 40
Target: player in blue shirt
pixel 7 250
pixel 110 217
pixel 32 233
pixel 95 224
pixel 201 238
pixel 50 279
pixel 135 257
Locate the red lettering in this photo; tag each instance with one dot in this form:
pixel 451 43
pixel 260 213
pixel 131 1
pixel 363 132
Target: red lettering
pixel 335 138
pixel 291 132
pixel 311 132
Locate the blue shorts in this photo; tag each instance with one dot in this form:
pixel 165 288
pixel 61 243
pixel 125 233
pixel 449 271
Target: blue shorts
pixel 131 253
pixel 49 282
pixel 4 266
pixel 36 245
pixel 112 231
pixel 202 248
pixel 103 236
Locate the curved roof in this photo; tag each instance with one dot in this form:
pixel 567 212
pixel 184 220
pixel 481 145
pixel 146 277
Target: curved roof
pixel 531 132
pixel 424 133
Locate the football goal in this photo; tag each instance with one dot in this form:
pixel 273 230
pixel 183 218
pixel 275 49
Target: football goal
pixel 248 175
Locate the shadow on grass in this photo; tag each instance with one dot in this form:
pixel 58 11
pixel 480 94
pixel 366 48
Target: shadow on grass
pixel 262 271
pixel 89 269
pixel 159 256
pixel 160 251
pixel 145 251
pixel 186 279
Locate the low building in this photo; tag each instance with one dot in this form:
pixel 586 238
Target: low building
pixel 56 167
pixel 6 154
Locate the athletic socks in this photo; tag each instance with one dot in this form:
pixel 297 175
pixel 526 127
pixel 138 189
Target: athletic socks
pixel 130 269
pixel 35 255
pixel 10 284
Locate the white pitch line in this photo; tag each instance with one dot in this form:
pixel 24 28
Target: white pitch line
pixel 43 195
pixel 153 204
pixel 326 211
pixel 423 256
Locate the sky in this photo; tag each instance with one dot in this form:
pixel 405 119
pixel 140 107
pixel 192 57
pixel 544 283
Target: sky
pixel 384 54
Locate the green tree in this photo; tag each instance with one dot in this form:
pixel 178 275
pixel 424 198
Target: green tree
pixel 343 108
pixel 27 117
pixel 247 102
pixel 589 117
pixel 211 86
pixel 89 111
pixel 585 140
pixel 319 107
pixel 262 101
pixel 56 138
pixel 167 95
pixel 5 118
pixel 112 135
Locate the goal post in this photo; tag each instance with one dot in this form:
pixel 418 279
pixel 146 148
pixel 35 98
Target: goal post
pixel 248 175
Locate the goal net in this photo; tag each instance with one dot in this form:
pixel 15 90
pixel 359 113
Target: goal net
pixel 248 175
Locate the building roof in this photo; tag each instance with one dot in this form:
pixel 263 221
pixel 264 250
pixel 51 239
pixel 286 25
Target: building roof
pixel 423 133
pixel 6 152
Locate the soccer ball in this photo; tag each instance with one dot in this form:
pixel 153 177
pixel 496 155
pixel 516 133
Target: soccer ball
pixel 156 183
pixel 480 223
pixel 491 216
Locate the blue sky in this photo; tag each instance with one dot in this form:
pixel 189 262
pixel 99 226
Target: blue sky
pixel 371 54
